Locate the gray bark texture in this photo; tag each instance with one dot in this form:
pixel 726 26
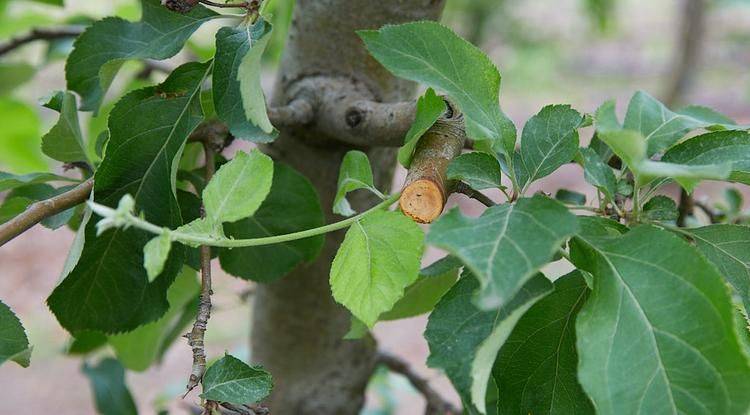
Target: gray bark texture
pixel 297 327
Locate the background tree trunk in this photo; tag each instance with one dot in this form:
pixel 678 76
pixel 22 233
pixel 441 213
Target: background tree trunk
pixel 297 327
pixel 686 61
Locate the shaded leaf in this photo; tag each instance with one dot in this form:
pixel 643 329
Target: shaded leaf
pixel 355 173
pixel 378 259
pixel 597 173
pixel 429 109
pixel 233 381
pixel 232 45
pixel 505 246
pixel 421 297
pixel 630 146
pixel 249 73
pixel 479 170
pixel 64 142
pixel 716 148
pixel 571 197
pixel 291 206
pixel 238 188
pixel 22 197
pixel 464 340
pixel 639 351
pixel 13 75
pixel 106 291
pixel 14 345
pixel 536 369
pixel 85 342
pixel 140 348
pixel 728 248
pixel 549 140
pixel 111 394
pixel 430 53
pixel 10 181
pixel 100 51
pixel 661 127
pixel 661 208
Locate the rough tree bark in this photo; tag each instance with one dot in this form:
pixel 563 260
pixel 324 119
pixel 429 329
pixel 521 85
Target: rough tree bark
pixel 297 327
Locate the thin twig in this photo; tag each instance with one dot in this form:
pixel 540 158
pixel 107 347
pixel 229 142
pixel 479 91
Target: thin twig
pixel 40 34
pixel 43 209
pixel 685 207
pixel 480 197
pixel 196 337
pixel 436 404
pixel 250 5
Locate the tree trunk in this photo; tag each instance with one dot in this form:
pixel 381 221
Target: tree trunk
pixel 692 31
pixel 297 327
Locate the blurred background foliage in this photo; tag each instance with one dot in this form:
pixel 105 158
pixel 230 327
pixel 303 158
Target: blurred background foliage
pixel 574 51
pixel 580 52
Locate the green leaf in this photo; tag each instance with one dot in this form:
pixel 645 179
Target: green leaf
pixel 357 329
pixel 239 187
pixel 111 394
pixel 11 181
pixel 14 345
pixel 64 142
pixel 706 114
pixel 291 206
pixel 630 146
pixel 716 148
pixel 12 207
pixel 505 246
pixel 571 197
pixel 479 170
pixel 597 173
pixel 549 140
pixel 355 173
pixel 378 259
pixel 20 138
pixel 231 380
pixel 536 369
pixel 249 73
pixel 421 297
pixel 430 53
pixel 155 255
pixel 76 248
pixel 464 340
pixel 101 293
pixel 13 75
pixel 734 200
pixel 661 127
pixel 232 45
pixel 85 342
pixel 605 117
pixel 140 348
pixel 22 197
pixel 100 51
pixel 429 109
pixel 657 334
pixel 728 248
pixel 198 227
pixel 661 208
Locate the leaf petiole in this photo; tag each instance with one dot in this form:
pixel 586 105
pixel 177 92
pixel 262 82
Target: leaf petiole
pixel 130 220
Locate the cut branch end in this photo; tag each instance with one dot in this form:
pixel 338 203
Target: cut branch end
pixel 423 200
pixel 426 188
